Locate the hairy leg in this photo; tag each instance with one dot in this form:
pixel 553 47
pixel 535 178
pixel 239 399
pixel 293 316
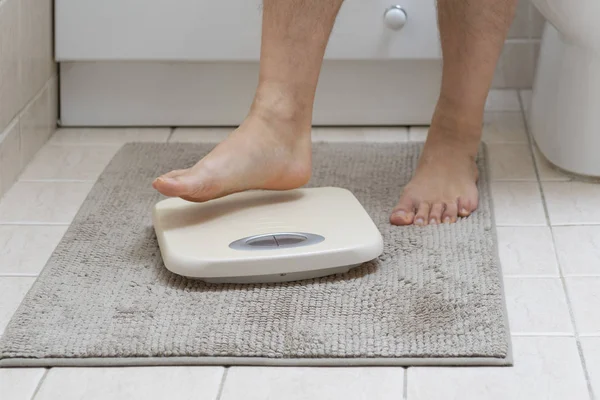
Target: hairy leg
pixel 271 149
pixel 444 186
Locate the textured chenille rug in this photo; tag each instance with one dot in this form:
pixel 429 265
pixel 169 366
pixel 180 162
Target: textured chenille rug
pixel 434 297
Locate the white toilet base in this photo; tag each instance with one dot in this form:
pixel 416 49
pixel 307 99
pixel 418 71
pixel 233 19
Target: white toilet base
pixel 565 109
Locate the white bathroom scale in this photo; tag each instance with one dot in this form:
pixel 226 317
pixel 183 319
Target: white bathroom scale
pixel 266 236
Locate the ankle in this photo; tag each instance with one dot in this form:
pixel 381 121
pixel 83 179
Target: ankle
pixel 455 133
pixel 280 103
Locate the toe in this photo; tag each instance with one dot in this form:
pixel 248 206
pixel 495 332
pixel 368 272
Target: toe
pixel 188 184
pixel 167 178
pixel 451 213
pixel 466 206
pixel 174 173
pixel 435 214
pixel 170 184
pixel 422 214
pixel 404 212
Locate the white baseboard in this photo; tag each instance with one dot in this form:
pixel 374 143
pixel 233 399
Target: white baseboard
pixel 394 92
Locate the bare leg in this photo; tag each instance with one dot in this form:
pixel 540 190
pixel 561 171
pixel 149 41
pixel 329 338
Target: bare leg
pixel 444 185
pixel 271 149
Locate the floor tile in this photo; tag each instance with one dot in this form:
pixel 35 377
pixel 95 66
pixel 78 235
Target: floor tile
pixel 578 249
pixel 69 163
pixel 24 250
pixel 338 134
pixel 386 134
pixel 417 133
pixel 518 204
pixel 110 136
pixel 200 135
pixel 511 162
pixel 270 383
pixel 537 306
pixel 504 127
pixel 545 368
pixel 19 383
pixel 584 294
pixel 503 100
pixel 149 383
pixel 572 202
pixel 527 251
pixel 591 353
pixel 12 291
pixel 43 202
pixel 547 171
pixel 526 96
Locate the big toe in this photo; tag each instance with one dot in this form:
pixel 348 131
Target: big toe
pixel 466 205
pixel 188 184
pixel 404 212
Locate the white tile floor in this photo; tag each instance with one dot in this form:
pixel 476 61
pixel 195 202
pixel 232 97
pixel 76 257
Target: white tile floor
pixel 549 243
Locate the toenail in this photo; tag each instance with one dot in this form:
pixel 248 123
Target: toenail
pixel 400 214
pixel 432 221
pixel 419 221
pixel 447 220
pixel 463 211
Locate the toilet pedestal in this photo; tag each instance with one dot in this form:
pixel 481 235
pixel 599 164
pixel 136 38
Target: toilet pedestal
pixel 565 109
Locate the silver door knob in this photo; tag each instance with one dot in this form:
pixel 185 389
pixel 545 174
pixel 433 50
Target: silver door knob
pixel 395 17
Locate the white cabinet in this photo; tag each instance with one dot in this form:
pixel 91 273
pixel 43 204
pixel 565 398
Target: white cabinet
pixel 195 62
pixel 200 30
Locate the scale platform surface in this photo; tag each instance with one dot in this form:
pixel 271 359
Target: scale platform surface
pixel 266 236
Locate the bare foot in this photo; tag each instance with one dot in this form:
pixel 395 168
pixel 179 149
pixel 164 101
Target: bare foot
pixel 444 185
pixel 267 151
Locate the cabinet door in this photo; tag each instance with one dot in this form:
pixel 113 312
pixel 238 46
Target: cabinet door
pixel 199 30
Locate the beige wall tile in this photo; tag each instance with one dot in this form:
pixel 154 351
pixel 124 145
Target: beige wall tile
pixel 36 50
pixel 537 23
pixel 520 27
pixel 516 66
pixel 53 102
pixel 10 159
pixel 528 22
pixel 35 126
pixel 9 62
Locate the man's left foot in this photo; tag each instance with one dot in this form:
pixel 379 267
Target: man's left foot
pixel 444 186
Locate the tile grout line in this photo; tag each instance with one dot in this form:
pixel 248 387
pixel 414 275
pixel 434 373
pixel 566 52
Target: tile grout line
pixel 222 384
pixel 56 180
pixel 542 334
pixel 33 223
pixel 550 276
pixel 542 276
pixel 560 269
pixel 405 386
pixel 39 385
pixel 171 133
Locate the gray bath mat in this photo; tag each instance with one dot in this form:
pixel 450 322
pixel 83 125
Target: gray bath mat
pixel 433 298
